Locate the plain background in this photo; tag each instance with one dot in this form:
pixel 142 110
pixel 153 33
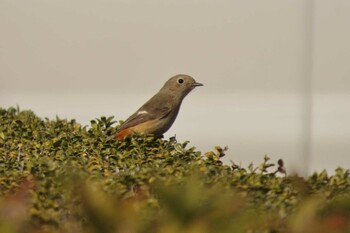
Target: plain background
pixel 276 73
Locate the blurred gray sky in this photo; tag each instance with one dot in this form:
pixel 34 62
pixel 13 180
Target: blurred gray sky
pixel 276 73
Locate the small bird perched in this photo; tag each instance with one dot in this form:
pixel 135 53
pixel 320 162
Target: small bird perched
pixel 158 114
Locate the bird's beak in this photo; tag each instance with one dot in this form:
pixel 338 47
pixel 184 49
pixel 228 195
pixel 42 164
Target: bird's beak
pixel 197 84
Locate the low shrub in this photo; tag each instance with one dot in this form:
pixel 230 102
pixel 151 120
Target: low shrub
pixel 60 176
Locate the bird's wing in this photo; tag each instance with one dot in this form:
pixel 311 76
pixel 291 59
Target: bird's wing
pixel 143 115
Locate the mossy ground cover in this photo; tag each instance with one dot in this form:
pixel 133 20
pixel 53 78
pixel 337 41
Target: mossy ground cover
pixel 59 176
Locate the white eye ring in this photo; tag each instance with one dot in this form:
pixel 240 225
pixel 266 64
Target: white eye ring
pixel 180 81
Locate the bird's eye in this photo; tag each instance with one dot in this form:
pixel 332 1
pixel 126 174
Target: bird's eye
pixel 180 81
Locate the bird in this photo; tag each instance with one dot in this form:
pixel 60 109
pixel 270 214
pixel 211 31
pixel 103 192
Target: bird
pixel 158 114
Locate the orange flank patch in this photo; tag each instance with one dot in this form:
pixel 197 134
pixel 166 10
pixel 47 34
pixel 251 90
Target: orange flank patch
pixel 123 134
pixel 148 127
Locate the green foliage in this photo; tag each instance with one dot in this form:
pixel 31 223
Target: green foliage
pixel 59 176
